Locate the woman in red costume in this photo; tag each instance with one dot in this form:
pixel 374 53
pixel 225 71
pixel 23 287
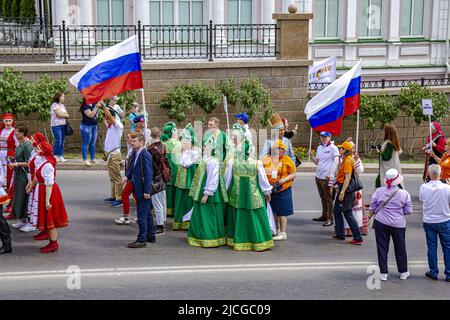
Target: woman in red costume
pixel 8 144
pixel 437 146
pixel 35 161
pixel 51 210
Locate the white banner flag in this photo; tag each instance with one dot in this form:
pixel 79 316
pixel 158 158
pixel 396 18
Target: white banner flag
pixel 323 71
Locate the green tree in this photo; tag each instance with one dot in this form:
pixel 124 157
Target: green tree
pixel 377 111
pixel 410 102
pixel 15 9
pixel 253 97
pixel 1 8
pixel 6 4
pixel 27 8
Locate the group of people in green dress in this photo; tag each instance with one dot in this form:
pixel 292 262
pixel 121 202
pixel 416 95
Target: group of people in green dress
pixel 217 191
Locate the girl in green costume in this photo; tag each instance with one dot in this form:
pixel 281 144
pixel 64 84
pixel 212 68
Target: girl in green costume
pixel 173 147
pixel 206 228
pixel 248 190
pixel 189 159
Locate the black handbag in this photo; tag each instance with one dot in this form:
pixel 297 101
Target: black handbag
pixel 297 162
pixel 355 184
pixel 69 130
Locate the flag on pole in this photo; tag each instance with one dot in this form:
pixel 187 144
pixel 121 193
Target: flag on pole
pixel 341 98
pixel 111 72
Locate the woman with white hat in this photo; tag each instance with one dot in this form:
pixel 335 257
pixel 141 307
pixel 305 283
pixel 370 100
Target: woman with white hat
pixel 390 204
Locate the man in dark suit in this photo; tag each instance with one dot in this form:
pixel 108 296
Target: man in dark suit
pixel 141 173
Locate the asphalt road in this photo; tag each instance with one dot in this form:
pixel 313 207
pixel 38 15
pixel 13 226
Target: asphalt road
pixel 309 265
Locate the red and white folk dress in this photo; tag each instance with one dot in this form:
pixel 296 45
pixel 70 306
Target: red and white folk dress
pixel 56 217
pixel 35 161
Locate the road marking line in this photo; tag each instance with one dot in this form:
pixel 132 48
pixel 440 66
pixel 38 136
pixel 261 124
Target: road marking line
pixel 194 269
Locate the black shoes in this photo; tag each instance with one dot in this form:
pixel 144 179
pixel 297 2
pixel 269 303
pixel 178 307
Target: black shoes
pixel 320 219
pixel 430 276
pixel 5 249
pixel 159 230
pixel 137 245
pixel 151 240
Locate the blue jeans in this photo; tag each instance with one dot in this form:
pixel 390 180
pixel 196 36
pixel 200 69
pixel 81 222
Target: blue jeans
pixel 432 231
pixel 88 140
pixel 59 133
pixel 145 219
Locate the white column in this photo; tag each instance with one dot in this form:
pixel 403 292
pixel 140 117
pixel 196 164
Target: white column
pixel 141 11
pixel 61 11
pixel 352 13
pixel 267 9
pixel 394 33
pixel 218 17
pixel 394 21
pixel 85 13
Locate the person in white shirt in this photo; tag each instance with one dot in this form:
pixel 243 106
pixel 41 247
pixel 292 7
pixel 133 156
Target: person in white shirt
pixel 59 116
pixel 435 196
pixel 120 114
pixel 112 148
pixel 325 156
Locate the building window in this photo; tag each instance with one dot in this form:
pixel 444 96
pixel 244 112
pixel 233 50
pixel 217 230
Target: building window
pixel 326 18
pixel 190 12
pixel 301 5
pixel 370 17
pixel 110 12
pixel 239 11
pixel 179 13
pixel 411 19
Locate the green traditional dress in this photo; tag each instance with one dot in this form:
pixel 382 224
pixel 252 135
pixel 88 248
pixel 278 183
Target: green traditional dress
pixel 207 225
pixel 20 201
pixel 173 148
pixel 248 225
pixel 184 203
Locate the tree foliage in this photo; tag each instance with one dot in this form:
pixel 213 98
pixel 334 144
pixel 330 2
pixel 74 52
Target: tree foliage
pixel 253 97
pixel 410 101
pixel 378 110
pixel 27 8
pixel 6 8
pixel 20 96
pixel 15 9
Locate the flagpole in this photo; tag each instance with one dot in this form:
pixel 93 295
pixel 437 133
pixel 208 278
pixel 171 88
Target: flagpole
pixel 357 131
pixel 225 106
pixel 310 145
pixel 145 116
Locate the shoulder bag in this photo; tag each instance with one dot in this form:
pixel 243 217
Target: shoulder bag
pixel 355 183
pixel 373 214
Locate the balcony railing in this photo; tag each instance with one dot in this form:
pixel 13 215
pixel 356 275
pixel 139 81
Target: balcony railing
pixel 385 84
pixel 63 43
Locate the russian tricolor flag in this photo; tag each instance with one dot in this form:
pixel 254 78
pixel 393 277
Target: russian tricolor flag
pixel 111 72
pixel 341 98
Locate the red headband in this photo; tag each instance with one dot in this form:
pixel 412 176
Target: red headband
pixel 389 181
pixel 7 116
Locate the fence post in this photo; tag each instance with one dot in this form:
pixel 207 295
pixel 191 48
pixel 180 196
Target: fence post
pixel 210 45
pixel 64 42
pixel 383 83
pixel 139 39
pixel 422 82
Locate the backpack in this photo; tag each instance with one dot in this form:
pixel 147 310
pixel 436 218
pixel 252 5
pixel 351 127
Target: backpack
pixel 165 166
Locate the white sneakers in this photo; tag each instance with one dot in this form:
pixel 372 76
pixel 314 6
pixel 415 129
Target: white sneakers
pixel 280 236
pixel 60 159
pixel 87 163
pixel 28 228
pixel 19 225
pixel 123 220
pixel 403 276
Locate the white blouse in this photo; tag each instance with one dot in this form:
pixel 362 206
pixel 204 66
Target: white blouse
pixel 189 157
pixel 48 173
pixel 212 177
pixel 262 177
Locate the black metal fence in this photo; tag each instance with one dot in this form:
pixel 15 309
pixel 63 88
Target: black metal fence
pixel 384 84
pixel 37 41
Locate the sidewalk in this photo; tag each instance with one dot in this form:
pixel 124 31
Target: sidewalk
pixel 77 164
